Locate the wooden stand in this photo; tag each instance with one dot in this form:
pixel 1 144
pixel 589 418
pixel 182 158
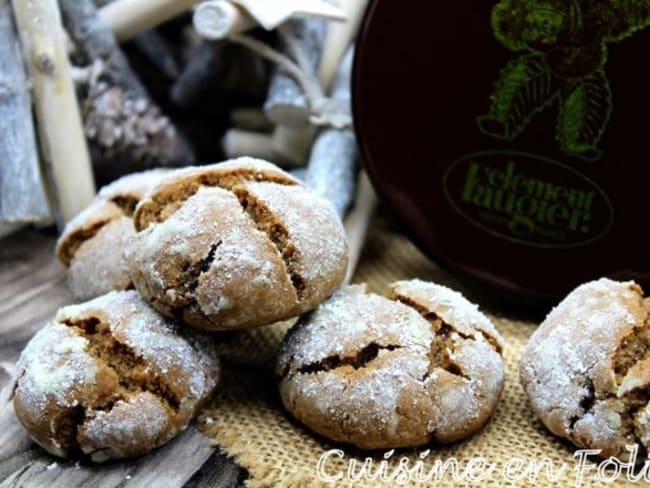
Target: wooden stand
pixel 63 144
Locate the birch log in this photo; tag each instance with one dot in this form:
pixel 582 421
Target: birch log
pixel 128 18
pixel 126 129
pixel 333 162
pixel 286 103
pixel 338 39
pixel 63 145
pixel 217 19
pixel 22 192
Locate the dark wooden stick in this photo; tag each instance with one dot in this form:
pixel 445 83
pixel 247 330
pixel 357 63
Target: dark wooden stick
pixel 127 131
pixel 22 192
pixel 203 68
pixel 158 52
pixel 302 40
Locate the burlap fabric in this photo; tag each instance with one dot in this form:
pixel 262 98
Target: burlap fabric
pixel 248 422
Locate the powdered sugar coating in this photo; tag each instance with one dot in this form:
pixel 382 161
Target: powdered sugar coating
pixel 92 243
pixel 134 185
pixel 569 371
pixel 214 239
pixel 451 306
pixel 98 265
pixel 317 218
pixel 361 369
pixel 71 398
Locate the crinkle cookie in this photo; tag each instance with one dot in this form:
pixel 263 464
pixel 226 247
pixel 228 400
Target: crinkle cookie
pixel 92 243
pixel 422 365
pixel 110 378
pixel 586 370
pixel 236 245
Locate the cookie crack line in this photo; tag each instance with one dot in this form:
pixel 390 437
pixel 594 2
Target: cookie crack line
pixel 192 273
pixel 360 360
pixel 128 366
pixel 266 222
pixel 77 238
pixel 430 316
pixel 125 204
pixel 168 200
pixel 67 429
pixel 586 403
pixel 440 352
pixel 633 349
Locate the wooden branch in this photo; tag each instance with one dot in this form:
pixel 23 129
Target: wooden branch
pixel 203 69
pixel 286 103
pixel 291 145
pixel 153 47
pixel 127 131
pixel 357 222
pixel 338 39
pixel 23 197
pixel 218 19
pixel 252 119
pixel 332 165
pixel 62 139
pixel 238 143
pixel 158 52
pixel 128 18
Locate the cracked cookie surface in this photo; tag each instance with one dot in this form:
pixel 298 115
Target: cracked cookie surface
pixel 235 245
pixel 110 378
pixel 420 366
pixel 586 370
pixel 92 243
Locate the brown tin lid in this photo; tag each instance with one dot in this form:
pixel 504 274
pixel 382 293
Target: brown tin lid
pixel 511 137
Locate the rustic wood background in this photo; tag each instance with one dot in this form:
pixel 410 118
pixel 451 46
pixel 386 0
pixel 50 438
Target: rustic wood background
pixel 32 287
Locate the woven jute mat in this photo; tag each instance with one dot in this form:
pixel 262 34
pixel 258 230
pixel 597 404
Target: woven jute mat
pixel 247 421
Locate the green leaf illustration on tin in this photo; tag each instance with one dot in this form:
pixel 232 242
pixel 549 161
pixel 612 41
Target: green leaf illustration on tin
pixel 525 88
pixel 584 116
pixel 563 48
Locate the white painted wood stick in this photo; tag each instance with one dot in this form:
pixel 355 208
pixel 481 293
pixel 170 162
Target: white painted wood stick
pixel 291 145
pixel 217 19
pixel 22 190
pixel 128 18
pixel 62 139
pixel 358 221
pixel 286 102
pixel 332 166
pixel 249 118
pixel 338 38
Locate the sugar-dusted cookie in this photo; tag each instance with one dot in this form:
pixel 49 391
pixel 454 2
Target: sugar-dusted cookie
pixel 92 243
pixel 586 370
pixel 235 245
pixel 422 365
pixel 110 378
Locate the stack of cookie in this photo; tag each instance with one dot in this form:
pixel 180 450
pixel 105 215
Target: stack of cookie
pixel 243 244
pixel 229 246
